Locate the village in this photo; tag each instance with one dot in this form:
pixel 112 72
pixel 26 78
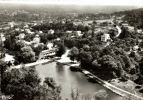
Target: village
pixel 105 50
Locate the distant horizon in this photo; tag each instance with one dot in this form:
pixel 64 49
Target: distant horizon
pixel 63 9
pixel 70 8
pixel 137 3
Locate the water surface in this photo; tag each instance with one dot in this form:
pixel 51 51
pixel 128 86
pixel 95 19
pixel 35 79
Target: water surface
pixel 68 80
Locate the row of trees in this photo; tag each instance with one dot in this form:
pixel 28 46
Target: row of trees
pixel 68 25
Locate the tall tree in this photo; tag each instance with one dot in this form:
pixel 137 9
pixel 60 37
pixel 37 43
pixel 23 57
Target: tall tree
pixel 74 53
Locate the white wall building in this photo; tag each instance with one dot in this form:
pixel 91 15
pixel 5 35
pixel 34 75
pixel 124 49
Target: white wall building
pixel 36 40
pixel 69 32
pixel 2 37
pixel 105 37
pixel 21 36
pixel 50 45
pixel 11 24
pixel 8 58
pixel 29 31
pixel 79 33
pixel 51 31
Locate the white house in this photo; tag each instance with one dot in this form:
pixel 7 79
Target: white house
pixel 8 58
pixel 135 48
pixel 2 37
pixel 40 32
pixel 27 43
pixel 68 31
pixel 29 31
pixel 139 31
pixel 51 31
pixel 58 39
pixel 11 24
pixel 21 36
pixel 50 45
pixel 17 29
pixel 36 40
pixel 105 37
pixel 79 33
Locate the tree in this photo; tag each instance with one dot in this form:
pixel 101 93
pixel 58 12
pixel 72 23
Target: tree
pixel 21 83
pixel 125 33
pixel 61 50
pixel 74 53
pixel 53 94
pixel 38 49
pixel 24 84
pixel 85 58
pixel 109 64
pixel 27 54
pixel 19 44
pixel 95 64
pixel 101 95
pixel 75 94
pixel 86 47
pixel 50 82
pixel 93 27
pixel 9 43
pixel 3 67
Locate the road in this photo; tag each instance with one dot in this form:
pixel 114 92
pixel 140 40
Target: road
pixel 116 90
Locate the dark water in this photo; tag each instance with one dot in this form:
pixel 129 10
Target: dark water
pixel 68 80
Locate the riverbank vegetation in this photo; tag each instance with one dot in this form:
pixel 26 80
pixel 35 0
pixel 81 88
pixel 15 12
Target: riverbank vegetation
pixel 25 84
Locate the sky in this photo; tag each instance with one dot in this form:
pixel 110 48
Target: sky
pixel 78 2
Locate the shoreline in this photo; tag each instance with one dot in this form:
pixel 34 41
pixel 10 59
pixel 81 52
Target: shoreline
pixel 116 89
pixel 32 64
pixel 119 91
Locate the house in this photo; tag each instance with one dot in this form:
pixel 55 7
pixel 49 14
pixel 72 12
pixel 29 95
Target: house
pixel 11 24
pixel 135 48
pixel 2 37
pixel 27 43
pixel 79 33
pixel 36 40
pixel 51 31
pixel 139 31
pixel 125 24
pixel 69 32
pixel 50 45
pixel 29 31
pixel 40 32
pixel 105 37
pixel 9 58
pixel 58 39
pixel 131 28
pixel 21 36
pixel 26 26
pixel 17 29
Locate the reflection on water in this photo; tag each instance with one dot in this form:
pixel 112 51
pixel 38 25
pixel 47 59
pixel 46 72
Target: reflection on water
pixel 69 80
pixel 60 69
